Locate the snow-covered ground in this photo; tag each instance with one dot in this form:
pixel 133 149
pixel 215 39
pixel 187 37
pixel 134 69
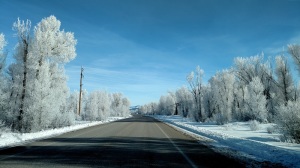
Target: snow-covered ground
pixel 238 139
pixel 8 139
pixel 234 138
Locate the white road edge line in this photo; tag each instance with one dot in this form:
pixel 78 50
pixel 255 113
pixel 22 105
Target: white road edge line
pixel 180 151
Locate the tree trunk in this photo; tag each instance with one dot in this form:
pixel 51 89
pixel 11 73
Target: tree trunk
pixel 24 82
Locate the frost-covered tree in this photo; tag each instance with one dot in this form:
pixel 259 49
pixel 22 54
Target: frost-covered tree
pixel 54 47
pixel 153 107
pixel 185 99
pixel 39 90
pixel 2 54
pixel 40 110
pixel 143 109
pixel 248 68
pixel 53 44
pixel 240 94
pixel 285 85
pixel 103 105
pixel 116 104
pixel 297 92
pixel 84 100
pixel 222 86
pixel 126 106
pixel 60 92
pixel 150 109
pixel 2 59
pixel 119 105
pixel 4 86
pixel 167 104
pixel 256 101
pixel 19 71
pixel 72 103
pixel 196 85
pixel 92 107
pixel 294 50
pixel 98 106
pixel 2 42
pixel 208 101
pixel 288 112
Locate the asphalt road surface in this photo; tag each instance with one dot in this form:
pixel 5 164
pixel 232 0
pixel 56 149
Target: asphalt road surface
pixel 134 142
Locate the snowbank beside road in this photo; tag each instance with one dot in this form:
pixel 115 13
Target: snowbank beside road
pixel 8 139
pixel 259 145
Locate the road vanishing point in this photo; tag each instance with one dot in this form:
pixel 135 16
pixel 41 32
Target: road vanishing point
pixel 138 141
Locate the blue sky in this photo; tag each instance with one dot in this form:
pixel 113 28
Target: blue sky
pixel 145 48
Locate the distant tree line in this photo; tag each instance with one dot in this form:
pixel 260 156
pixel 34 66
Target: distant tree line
pixel 33 89
pixel 250 90
pixel 99 105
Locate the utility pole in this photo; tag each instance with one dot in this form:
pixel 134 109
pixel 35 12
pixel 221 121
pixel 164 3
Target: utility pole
pixel 80 91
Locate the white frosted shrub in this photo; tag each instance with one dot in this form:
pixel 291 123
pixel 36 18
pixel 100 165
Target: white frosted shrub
pixel 3 128
pixel 220 119
pixel 64 119
pixel 254 125
pixel 288 121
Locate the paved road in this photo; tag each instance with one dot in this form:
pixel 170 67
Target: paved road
pixel 135 142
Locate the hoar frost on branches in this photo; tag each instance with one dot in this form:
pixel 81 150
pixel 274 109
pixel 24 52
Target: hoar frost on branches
pixel 2 42
pixel 248 68
pixel 222 85
pixel 256 101
pixel 33 90
pixel 19 72
pixel 294 50
pixel 2 54
pixel 4 93
pixel 185 98
pixel 100 105
pixel 53 44
pixel 119 105
pixel 248 91
pixel 285 84
pixel 167 104
pixel 288 113
pixel 39 89
pixel 288 120
pixel 196 85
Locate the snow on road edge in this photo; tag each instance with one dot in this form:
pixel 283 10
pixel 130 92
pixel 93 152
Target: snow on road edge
pixel 10 139
pixel 243 147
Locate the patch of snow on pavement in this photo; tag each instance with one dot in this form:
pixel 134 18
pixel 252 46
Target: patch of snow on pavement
pixel 259 145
